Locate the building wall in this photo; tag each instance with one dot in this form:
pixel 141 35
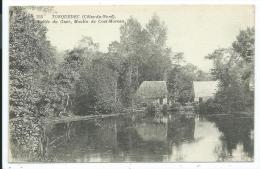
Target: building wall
pixel 157 101
pixel 165 101
pixel 204 99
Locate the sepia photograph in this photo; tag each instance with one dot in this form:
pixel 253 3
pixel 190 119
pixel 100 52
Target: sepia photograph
pixel 131 83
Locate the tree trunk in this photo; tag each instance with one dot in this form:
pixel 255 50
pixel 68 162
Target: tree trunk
pixel 67 103
pixel 116 92
pixel 137 78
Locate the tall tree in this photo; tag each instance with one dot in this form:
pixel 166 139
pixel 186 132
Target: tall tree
pixel 158 55
pixel 30 56
pixel 74 77
pixel 130 43
pixel 144 54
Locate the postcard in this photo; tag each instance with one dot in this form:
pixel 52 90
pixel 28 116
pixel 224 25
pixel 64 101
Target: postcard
pixel 131 84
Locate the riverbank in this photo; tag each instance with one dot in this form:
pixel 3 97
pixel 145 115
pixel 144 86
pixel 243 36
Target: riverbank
pixel 236 114
pixel 66 119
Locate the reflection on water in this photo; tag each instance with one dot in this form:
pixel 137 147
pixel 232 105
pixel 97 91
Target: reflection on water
pixel 202 147
pixel 146 139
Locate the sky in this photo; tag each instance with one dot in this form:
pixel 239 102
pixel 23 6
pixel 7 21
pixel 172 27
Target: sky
pixel 195 30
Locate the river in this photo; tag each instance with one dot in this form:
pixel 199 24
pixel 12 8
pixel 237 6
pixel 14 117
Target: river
pixel 171 138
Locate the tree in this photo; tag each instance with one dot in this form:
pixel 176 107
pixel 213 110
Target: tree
pixel 158 56
pixel 179 84
pixel 233 68
pixel 65 80
pixel 178 58
pixel 74 78
pixel 30 57
pixel 89 79
pixel 140 55
pixel 245 44
pixel 116 62
pixel 130 43
pixel 180 81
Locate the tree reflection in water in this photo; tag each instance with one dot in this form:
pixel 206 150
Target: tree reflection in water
pixel 172 138
pixel 236 137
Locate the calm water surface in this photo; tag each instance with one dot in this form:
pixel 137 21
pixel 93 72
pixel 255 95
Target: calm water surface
pixel 162 139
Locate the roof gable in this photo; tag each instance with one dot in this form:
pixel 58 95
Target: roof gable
pixel 205 88
pixel 152 90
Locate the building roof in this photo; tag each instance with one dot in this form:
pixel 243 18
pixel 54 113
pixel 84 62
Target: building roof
pixel 152 90
pixel 205 88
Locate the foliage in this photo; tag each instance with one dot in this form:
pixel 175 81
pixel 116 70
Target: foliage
pixel 178 58
pixel 179 82
pixel 30 59
pixel 210 106
pixel 96 90
pixel 245 45
pixel 140 55
pixel 234 69
pixel 88 79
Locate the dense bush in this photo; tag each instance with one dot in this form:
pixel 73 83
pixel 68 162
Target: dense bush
pixel 209 107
